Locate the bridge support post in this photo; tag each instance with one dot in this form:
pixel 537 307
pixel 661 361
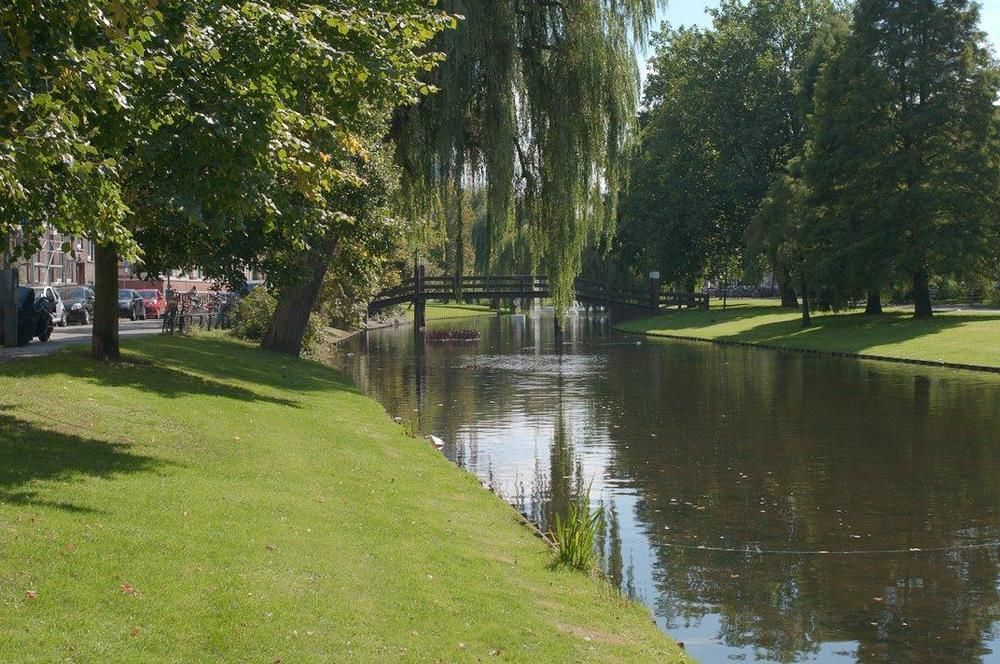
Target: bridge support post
pixel 654 291
pixel 419 300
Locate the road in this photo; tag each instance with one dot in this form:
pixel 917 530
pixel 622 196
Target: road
pixel 77 334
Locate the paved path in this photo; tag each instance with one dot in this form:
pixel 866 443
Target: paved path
pixel 77 334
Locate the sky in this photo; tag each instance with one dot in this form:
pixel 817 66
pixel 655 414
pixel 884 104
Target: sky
pixel 692 12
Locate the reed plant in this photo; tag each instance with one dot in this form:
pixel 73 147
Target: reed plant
pixel 574 536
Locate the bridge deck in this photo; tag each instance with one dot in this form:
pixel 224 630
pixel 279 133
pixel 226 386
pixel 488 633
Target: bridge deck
pixel 421 289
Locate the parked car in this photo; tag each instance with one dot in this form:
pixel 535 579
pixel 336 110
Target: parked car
pixel 154 302
pixel 34 319
pixel 78 303
pixel 55 303
pixel 130 304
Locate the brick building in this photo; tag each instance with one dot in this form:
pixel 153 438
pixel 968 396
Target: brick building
pixel 51 265
pixel 181 280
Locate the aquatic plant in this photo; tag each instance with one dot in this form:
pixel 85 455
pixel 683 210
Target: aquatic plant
pixel 451 335
pixel 574 536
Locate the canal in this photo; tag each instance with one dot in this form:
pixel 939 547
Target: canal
pixel 765 505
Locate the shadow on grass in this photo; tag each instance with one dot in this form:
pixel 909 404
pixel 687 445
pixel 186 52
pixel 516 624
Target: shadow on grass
pixel 845 333
pixel 229 360
pixel 172 367
pixel 685 319
pixel 851 333
pixel 29 455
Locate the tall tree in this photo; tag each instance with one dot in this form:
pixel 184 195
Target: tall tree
pixel 246 124
pixel 60 65
pixel 383 50
pixel 722 121
pixel 537 101
pixel 783 230
pixel 904 156
pixel 69 74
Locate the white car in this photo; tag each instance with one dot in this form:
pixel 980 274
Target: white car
pixel 56 306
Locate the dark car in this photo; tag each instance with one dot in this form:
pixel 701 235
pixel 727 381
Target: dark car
pixel 78 303
pixel 130 304
pixel 34 317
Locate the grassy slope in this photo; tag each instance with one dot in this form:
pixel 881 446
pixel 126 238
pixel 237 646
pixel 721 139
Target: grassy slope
pixel 205 501
pixel 950 337
pixel 446 311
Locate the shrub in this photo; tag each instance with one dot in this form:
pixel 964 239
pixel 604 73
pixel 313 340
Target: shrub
pixel 252 315
pixel 993 294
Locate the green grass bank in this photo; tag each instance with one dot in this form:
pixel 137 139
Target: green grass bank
pixel 449 311
pixel 205 501
pixel 970 339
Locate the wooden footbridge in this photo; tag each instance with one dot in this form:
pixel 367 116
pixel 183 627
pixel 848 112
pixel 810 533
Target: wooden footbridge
pixel 621 302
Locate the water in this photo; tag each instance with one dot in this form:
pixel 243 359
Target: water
pixel 766 506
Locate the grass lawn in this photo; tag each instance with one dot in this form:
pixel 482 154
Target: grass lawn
pixel 205 501
pixel 446 311
pixel 957 338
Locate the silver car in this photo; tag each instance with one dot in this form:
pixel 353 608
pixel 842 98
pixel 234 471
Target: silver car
pixel 55 303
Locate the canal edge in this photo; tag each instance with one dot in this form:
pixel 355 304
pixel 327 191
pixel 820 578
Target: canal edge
pixel 525 521
pixel 816 351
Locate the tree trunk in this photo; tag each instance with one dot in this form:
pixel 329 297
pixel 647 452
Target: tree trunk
pixel 295 305
pixel 789 300
pixel 104 337
pixel 874 304
pixel 921 295
pixel 806 320
pixel 459 248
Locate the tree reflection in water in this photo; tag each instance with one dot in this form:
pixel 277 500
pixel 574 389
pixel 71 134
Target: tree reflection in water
pixel 693 445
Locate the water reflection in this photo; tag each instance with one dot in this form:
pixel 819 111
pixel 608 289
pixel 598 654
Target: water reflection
pixel 770 506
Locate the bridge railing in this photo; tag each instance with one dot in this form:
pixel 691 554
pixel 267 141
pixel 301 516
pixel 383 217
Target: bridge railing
pixel 446 287
pixel 486 286
pixel 597 291
pixel 670 299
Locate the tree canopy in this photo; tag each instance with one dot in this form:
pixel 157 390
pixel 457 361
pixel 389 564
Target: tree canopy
pixel 902 164
pixel 721 120
pixel 222 135
pixel 851 148
pixel 537 105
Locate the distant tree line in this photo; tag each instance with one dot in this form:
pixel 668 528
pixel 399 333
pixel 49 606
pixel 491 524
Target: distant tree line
pixel 849 150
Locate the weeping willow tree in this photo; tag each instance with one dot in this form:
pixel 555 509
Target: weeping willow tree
pixel 536 103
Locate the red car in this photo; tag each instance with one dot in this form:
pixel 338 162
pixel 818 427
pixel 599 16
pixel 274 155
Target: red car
pixel 154 301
